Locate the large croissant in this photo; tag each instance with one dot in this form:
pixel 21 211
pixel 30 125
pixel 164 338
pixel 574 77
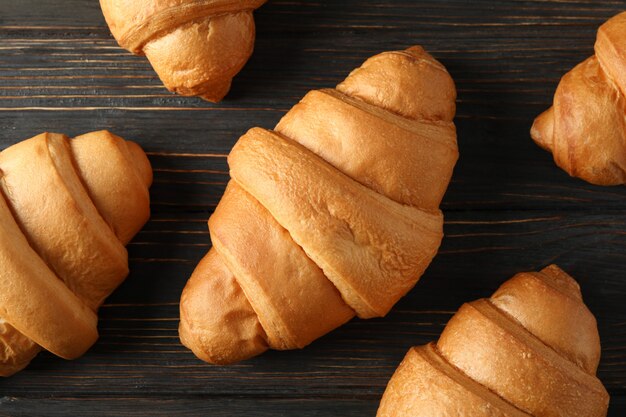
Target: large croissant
pixel 67 208
pixel 532 349
pixel 333 213
pixel 586 128
pixel 195 46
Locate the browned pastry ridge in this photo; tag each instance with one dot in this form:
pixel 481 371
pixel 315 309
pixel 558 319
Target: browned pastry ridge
pixel 334 213
pixel 195 46
pixel 67 209
pixel 532 349
pixel 585 129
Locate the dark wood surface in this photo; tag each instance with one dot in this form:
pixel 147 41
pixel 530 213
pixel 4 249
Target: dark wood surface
pixel 508 209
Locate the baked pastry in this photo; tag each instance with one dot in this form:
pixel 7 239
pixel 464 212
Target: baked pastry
pixel 585 129
pixel 334 213
pixel 532 349
pixel 195 46
pixel 67 208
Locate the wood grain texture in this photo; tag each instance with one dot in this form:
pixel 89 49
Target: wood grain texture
pixel 508 209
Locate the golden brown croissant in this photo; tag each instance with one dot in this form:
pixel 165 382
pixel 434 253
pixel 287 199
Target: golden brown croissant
pixel 532 349
pixel 585 129
pixel 67 208
pixel 195 46
pixel 333 213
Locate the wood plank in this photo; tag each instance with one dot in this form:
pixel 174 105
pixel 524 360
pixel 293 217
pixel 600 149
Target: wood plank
pixel 508 208
pixel 220 407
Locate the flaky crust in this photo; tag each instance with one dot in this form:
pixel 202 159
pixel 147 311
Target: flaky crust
pixel 585 129
pixel 532 349
pixel 195 46
pixel 425 384
pixel 67 208
pixel 333 214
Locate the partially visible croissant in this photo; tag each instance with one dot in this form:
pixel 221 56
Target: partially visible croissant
pixel 336 212
pixel 67 208
pixel 586 128
pixel 532 349
pixel 195 46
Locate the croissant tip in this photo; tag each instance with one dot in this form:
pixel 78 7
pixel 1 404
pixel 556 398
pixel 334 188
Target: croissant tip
pixel 565 281
pixel 554 271
pixel 212 89
pixel 535 134
pixel 211 98
pixel 216 92
pixel 416 50
pixel 541 130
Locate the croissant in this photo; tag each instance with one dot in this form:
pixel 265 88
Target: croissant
pixel 332 214
pixel 67 208
pixel 585 129
pixel 532 349
pixel 195 46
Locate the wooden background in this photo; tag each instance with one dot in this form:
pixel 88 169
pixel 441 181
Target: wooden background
pixel 508 209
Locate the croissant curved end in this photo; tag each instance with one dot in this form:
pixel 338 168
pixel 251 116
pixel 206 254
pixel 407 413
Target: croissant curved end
pixel 141 163
pixel 138 159
pixel 201 58
pixel 216 320
pixel 421 88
